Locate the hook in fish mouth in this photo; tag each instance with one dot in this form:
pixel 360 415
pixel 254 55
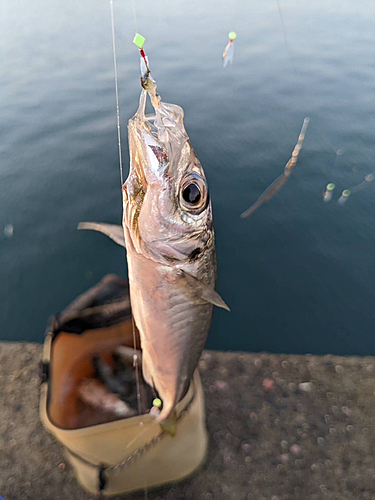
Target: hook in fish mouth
pixel 145 79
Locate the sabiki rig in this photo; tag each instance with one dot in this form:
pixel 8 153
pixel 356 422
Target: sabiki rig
pixel 147 82
pixel 228 53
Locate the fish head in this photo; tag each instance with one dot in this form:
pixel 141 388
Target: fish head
pixel 168 211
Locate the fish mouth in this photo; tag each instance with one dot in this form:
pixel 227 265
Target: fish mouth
pixel 160 152
pixel 156 141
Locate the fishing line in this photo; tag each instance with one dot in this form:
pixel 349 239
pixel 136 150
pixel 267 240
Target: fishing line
pixel 117 96
pixel 322 138
pixel 135 16
pixel 135 356
pixel 338 153
pixel 136 366
pixel 235 15
pixel 358 187
pixel 364 183
pixel 285 38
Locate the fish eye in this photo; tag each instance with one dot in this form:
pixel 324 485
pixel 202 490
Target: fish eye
pixel 193 194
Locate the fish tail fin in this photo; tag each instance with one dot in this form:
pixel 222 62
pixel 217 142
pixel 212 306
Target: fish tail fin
pixel 168 420
pixel 169 424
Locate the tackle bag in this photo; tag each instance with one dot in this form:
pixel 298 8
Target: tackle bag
pixel 125 454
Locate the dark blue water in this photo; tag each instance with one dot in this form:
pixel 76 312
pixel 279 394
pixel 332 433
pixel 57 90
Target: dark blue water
pixel 299 274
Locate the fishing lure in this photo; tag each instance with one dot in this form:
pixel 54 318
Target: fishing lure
pixel 282 179
pixel 339 152
pixel 327 195
pixel 228 53
pixel 139 41
pixel 344 196
pixel 347 192
pixel 156 406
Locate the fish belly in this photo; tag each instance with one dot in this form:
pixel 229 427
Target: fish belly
pixel 173 328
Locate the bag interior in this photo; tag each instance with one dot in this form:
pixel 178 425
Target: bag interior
pixel 95 323
pixel 70 363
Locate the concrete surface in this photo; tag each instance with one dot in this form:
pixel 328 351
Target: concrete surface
pixel 281 428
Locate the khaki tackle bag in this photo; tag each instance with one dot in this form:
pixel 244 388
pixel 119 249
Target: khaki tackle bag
pixel 125 454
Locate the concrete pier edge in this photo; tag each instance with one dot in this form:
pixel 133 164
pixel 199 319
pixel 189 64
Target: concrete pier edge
pixel 281 427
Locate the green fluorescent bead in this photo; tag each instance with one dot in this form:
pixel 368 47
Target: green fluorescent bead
pixel 139 40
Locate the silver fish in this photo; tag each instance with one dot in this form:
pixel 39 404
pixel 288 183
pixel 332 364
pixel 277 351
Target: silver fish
pixel 169 234
pixel 96 394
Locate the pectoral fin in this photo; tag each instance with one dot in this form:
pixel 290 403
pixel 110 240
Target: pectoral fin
pixel 206 292
pixel 113 231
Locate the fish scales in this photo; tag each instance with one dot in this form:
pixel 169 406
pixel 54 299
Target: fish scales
pixel 170 243
pixel 171 315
